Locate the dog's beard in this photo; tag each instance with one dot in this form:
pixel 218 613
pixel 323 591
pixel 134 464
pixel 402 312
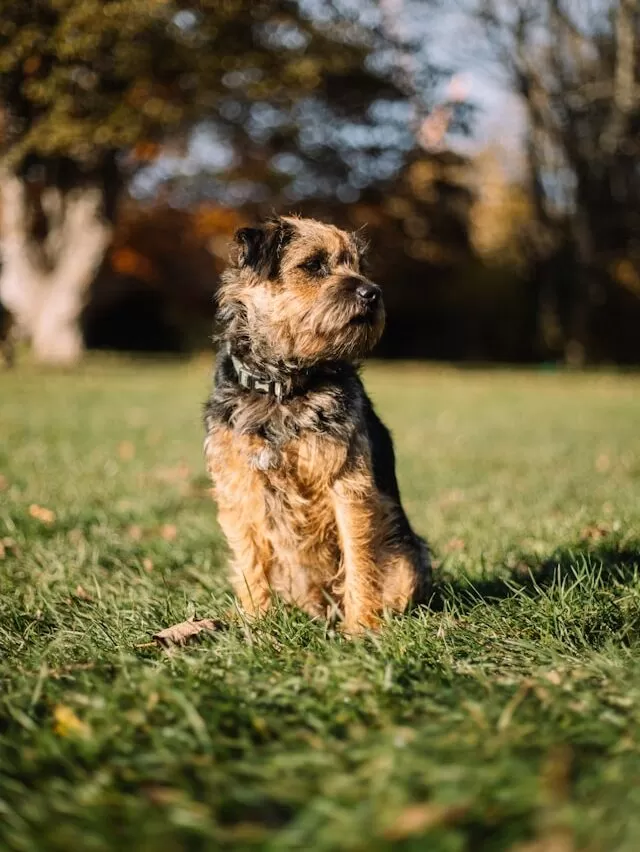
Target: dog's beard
pixel 331 330
pixel 275 330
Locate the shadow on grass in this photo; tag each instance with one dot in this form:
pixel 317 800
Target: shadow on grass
pixel 603 565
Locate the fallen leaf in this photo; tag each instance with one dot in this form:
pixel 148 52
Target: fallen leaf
pixel 4 482
pixel 82 594
pixel 168 532
pixel 454 544
pixel 2 551
pixel 46 516
pixel 126 450
pixel 416 819
pixel 67 724
pixel 135 532
pixel 594 532
pixel 147 564
pixel 553 677
pixel 180 634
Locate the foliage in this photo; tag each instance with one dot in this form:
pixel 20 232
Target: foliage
pixel 84 79
pixel 576 68
pixel 506 715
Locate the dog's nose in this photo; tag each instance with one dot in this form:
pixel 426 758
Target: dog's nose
pixel 368 293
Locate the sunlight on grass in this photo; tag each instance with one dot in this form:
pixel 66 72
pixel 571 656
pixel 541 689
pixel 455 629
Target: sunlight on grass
pixel 507 713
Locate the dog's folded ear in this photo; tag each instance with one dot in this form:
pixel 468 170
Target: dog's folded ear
pixel 260 248
pixel 361 245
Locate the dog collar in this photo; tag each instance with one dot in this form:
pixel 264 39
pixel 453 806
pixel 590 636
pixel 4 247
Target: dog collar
pixel 250 381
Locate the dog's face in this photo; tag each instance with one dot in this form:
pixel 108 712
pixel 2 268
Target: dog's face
pixel 296 293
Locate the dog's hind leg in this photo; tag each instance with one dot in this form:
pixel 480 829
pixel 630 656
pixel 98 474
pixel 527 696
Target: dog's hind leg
pixel 406 576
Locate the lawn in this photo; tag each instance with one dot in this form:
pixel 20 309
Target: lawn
pixel 506 716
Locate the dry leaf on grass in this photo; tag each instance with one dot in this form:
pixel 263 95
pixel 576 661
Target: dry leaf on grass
pixel 147 564
pixel 168 532
pixel 180 634
pixel 126 450
pixel 67 724
pixel 46 516
pixel 416 819
pixel 81 594
pixel 4 483
pixel 594 532
pixel 454 544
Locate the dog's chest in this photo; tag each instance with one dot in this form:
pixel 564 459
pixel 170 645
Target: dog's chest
pixel 293 482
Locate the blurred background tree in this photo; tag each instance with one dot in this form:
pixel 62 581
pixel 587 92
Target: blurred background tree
pixel 93 89
pixel 138 134
pixel 575 66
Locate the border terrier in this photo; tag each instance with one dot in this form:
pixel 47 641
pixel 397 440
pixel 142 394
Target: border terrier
pixel 302 466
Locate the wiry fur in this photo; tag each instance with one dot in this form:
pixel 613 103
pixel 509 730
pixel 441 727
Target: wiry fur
pixel 306 487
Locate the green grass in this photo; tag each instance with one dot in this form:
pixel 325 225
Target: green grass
pixel 505 717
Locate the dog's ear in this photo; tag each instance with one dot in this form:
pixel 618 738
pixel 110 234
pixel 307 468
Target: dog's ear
pixel 260 248
pixel 361 246
pixel 247 246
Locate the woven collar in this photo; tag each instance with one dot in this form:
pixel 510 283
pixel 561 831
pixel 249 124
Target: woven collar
pixel 246 379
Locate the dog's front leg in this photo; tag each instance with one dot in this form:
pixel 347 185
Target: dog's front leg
pixel 251 560
pixel 357 511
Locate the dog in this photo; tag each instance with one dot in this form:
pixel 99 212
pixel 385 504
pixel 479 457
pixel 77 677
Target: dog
pixel 303 468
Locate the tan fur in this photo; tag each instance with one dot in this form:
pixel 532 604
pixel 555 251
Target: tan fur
pixel 301 320
pixel 312 530
pixel 303 516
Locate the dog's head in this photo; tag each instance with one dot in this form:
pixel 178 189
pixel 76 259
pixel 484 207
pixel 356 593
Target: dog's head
pixel 296 293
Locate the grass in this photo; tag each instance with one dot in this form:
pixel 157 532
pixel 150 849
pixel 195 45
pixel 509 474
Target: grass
pixel 505 717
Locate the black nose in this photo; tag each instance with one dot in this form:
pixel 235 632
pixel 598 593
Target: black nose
pixel 368 293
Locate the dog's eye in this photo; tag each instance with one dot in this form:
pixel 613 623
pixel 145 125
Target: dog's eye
pixel 314 265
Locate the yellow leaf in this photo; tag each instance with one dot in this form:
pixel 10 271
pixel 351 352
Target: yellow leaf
pixel 46 516
pixel 67 724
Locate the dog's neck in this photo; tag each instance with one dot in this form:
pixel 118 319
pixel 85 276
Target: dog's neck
pixel 280 382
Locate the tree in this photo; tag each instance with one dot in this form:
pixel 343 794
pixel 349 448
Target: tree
pixel 93 88
pixel 575 65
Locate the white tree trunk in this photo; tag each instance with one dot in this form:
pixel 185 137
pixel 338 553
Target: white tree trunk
pixel 45 286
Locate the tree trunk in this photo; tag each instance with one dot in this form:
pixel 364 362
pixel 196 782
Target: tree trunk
pixel 44 282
